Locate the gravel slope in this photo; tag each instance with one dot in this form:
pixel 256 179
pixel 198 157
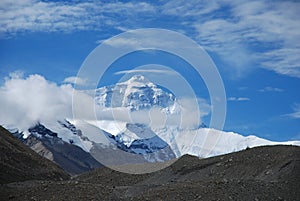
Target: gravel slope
pixel 19 163
pixel 262 173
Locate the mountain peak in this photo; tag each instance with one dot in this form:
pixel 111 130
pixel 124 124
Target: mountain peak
pixel 137 80
pixel 136 93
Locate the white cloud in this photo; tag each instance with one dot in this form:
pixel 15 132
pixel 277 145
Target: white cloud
pixel 204 107
pixel 25 101
pixel 255 33
pixel 238 99
pixel 76 80
pixel 231 30
pixel 145 71
pixel 148 39
pixel 120 42
pixel 245 34
pixel 271 89
pixel 283 61
pixel 189 8
pixel 186 114
pixel 35 15
pixel 16 75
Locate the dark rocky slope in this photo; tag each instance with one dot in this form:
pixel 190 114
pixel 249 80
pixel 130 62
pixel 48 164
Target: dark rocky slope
pixel 19 163
pixel 262 173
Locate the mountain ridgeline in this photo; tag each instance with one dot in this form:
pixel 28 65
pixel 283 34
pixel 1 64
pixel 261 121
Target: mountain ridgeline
pixel 80 145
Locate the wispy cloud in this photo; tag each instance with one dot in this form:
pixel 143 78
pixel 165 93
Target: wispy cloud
pixel 271 89
pixel 76 80
pixel 143 40
pixel 244 34
pixel 35 15
pixel 231 30
pixel 296 113
pixel 169 72
pixel 254 33
pixel 193 8
pixel 242 88
pixel 238 99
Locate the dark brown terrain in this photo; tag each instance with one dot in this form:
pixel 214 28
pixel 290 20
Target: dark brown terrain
pixel 20 163
pixel 262 173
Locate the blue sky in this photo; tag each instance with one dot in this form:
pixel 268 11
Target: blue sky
pixel 255 46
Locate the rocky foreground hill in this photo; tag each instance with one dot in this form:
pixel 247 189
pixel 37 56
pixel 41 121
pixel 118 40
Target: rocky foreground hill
pixel 20 163
pixel 261 173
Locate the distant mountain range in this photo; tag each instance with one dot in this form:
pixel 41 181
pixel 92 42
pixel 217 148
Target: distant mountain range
pixel 79 145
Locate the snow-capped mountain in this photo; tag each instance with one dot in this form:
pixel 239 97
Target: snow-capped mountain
pixel 153 143
pixel 137 93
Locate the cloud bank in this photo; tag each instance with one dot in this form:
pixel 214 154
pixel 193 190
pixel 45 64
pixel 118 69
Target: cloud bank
pixel 27 101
